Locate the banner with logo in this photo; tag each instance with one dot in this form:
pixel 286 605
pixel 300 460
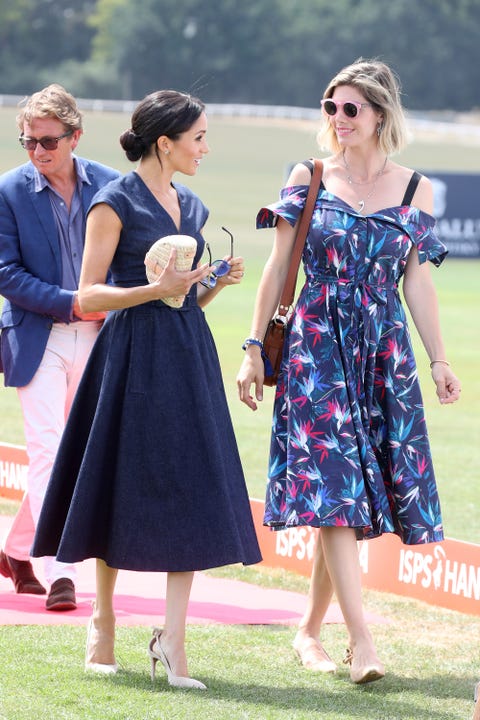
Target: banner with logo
pixel 457 211
pixel 13 471
pixel 446 574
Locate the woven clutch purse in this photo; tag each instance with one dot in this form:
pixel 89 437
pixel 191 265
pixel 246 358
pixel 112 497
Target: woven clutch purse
pixel 158 255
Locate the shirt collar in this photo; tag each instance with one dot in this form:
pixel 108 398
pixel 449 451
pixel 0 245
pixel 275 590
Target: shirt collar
pixel 41 181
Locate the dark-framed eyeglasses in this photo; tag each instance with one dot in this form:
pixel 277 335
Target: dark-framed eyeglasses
pixel 351 108
pixel 221 267
pixel 48 143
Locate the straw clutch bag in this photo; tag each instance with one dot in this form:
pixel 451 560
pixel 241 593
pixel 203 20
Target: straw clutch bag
pixel 158 255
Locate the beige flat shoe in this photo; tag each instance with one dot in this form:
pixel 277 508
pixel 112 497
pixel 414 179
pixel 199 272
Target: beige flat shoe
pixel 363 673
pixel 314 657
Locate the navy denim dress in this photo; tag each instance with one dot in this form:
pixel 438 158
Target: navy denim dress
pixel 148 475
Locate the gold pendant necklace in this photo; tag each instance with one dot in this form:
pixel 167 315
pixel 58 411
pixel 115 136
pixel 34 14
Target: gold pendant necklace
pixel 351 181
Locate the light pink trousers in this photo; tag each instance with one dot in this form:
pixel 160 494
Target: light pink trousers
pixel 46 403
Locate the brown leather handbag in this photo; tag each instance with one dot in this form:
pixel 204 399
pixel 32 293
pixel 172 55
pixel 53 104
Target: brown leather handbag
pixel 274 339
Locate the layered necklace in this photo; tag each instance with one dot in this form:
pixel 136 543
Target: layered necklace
pixel 351 181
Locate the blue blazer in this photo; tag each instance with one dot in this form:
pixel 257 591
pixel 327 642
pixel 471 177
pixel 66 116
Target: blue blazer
pixel 31 268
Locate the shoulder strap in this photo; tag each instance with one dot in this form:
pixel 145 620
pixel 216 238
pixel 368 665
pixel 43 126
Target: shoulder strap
pixel 308 164
pixel 411 188
pixel 288 292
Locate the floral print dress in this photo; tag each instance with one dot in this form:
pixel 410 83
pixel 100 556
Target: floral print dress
pixel 349 444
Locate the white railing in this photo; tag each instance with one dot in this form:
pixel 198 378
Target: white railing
pixel 416 121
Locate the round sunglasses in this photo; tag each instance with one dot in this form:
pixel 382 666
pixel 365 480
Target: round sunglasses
pixel 350 107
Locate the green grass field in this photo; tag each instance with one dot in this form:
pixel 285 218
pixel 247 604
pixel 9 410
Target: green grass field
pixel 432 655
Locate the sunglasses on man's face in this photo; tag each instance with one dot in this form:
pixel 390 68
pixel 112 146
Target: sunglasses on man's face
pixel 221 267
pixel 48 143
pixel 350 107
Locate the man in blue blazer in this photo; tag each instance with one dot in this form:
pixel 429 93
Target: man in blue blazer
pixel 45 338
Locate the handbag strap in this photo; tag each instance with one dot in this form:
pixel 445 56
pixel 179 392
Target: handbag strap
pixel 288 292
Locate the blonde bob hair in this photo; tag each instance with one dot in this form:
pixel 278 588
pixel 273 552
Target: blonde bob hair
pixel 51 102
pixel 380 87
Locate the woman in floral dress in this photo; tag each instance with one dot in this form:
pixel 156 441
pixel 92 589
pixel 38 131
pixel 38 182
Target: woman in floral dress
pixel 349 449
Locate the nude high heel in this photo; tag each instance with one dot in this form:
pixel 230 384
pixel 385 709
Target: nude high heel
pixel 156 653
pixel 368 672
pixel 94 639
pixel 313 656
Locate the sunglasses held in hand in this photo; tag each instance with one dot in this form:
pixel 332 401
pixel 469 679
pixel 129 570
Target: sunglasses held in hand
pixel 221 267
pixel 350 107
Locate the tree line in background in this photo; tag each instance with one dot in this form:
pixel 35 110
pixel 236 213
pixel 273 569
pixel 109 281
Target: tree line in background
pixel 279 52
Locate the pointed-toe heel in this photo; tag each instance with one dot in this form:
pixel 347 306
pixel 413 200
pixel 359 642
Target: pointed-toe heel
pixel 368 672
pixel 95 638
pixel 156 653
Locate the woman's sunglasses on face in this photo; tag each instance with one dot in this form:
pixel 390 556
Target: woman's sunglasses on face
pixel 350 107
pixel 221 267
pixel 48 143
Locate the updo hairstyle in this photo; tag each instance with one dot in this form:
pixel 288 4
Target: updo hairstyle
pixel 165 112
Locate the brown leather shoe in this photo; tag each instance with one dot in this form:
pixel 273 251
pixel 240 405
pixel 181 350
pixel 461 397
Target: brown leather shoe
pixel 62 595
pixel 21 572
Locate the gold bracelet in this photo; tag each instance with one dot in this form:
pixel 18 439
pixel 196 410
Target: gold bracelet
pixel 445 362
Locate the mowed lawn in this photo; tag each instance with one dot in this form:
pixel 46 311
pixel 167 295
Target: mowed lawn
pixel 432 655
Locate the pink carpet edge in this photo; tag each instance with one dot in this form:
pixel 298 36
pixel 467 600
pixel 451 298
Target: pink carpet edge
pixel 140 600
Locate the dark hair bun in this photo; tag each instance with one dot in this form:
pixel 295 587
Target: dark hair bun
pixel 133 145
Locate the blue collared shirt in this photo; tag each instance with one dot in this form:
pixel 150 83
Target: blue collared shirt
pixel 70 224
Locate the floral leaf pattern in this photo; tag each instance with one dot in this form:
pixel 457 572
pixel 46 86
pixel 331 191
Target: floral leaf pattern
pixel 349 445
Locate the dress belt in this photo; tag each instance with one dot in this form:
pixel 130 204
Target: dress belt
pixel 376 291
pixel 162 305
